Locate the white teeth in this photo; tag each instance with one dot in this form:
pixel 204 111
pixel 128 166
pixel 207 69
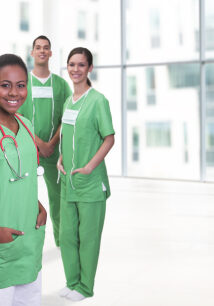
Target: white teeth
pixel 12 102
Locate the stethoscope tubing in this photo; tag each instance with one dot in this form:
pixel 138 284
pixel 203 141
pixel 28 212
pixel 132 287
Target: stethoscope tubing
pixel 4 137
pixel 17 175
pixel 31 135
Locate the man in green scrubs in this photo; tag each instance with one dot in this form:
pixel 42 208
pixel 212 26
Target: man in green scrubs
pixel 47 93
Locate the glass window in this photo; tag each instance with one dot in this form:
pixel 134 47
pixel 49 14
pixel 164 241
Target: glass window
pixel 96 27
pixel 209 20
pixel 210 121
pixel 24 16
pixel 29 58
pixel 92 25
pixel 162 30
pixel 94 73
pixel 158 134
pixel 81 27
pixel 183 75
pixel 135 144
pixel 109 83
pixel 168 133
pixel 162 101
pixel 210 147
pixel 185 143
pixel 131 93
pixel 150 82
pixel 155 27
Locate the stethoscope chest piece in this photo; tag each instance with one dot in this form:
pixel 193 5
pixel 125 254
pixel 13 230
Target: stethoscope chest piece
pixel 19 177
pixel 40 171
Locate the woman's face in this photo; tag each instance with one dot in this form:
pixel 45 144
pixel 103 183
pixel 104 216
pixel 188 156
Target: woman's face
pixel 13 88
pixel 78 68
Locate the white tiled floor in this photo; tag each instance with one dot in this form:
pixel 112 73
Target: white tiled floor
pixel 157 247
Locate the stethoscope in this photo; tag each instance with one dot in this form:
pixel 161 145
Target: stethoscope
pixel 18 174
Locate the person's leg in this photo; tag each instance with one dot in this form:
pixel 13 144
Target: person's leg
pixel 91 216
pixel 53 188
pixel 29 294
pixel 69 240
pixel 6 296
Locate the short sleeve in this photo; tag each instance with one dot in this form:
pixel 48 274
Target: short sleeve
pixel 104 118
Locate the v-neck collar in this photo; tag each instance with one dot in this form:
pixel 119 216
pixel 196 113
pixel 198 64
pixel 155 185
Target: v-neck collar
pixel 85 93
pixel 38 79
pixel 11 133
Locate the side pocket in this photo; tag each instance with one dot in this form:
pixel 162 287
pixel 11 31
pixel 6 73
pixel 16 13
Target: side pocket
pixel 82 181
pixel 20 260
pixel 11 250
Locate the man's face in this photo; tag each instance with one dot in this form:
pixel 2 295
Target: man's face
pixel 41 52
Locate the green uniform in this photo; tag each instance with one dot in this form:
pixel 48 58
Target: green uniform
pixel 20 260
pixel 46 119
pixel 83 197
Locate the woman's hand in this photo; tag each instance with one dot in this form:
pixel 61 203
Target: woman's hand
pixel 60 165
pixel 85 170
pixel 6 234
pixel 98 157
pixel 42 216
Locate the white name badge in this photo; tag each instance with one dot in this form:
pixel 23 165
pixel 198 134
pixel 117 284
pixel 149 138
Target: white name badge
pixel 42 92
pixel 70 116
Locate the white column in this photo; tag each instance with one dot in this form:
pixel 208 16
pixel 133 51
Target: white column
pixel 52 31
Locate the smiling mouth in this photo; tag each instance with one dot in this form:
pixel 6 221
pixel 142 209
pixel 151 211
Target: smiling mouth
pixel 12 102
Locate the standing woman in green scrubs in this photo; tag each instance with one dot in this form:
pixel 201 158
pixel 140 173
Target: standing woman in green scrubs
pixel 87 135
pixel 22 217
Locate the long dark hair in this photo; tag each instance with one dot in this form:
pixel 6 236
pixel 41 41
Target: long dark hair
pixel 88 55
pixel 12 60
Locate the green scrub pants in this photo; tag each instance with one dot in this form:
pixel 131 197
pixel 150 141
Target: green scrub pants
pixel 50 177
pixel 81 227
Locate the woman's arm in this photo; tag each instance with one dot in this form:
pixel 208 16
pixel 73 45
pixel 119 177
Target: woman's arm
pixel 98 157
pixel 42 216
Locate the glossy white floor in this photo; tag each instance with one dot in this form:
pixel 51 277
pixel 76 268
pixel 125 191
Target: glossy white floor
pixel 157 247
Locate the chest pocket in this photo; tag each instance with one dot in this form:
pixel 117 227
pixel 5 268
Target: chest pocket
pixel 42 92
pixel 70 116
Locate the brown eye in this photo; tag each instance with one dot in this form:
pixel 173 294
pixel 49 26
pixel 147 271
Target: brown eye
pixel 21 86
pixel 5 85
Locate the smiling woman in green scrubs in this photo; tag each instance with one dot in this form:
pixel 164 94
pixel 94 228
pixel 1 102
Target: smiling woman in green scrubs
pixel 22 217
pixel 87 136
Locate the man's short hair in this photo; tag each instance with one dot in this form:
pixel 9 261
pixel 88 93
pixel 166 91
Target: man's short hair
pixel 42 37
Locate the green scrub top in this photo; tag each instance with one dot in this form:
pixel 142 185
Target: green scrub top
pixel 93 124
pixel 43 109
pixel 20 260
